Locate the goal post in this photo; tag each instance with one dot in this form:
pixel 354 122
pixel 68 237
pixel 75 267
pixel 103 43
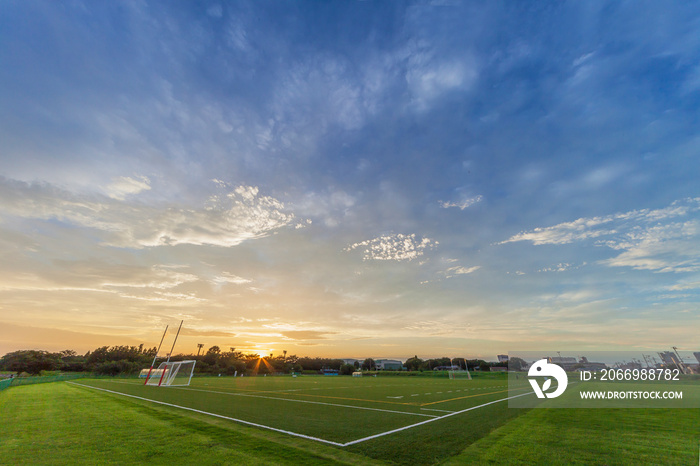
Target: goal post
pixel 460 375
pixel 172 374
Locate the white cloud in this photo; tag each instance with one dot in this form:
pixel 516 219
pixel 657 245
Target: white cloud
pixel 561 267
pixel 123 186
pixel 397 247
pixel 564 233
pixel 462 204
pixel 461 270
pixel 685 286
pixel 648 239
pixel 228 218
pixel 226 277
pixel 661 248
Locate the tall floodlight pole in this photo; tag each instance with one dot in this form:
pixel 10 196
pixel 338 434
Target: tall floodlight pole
pixel 155 356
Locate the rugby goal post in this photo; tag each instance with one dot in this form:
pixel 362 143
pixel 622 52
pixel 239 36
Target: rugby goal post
pixel 172 374
pixel 460 375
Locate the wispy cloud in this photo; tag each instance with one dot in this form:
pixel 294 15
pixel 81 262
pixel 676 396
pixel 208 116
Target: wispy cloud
pixel 227 219
pixel 461 270
pixel 461 204
pixel 226 277
pixel 123 186
pixel 648 239
pixel 306 335
pixel 395 117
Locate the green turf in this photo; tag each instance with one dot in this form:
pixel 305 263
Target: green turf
pixel 592 436
pixel 64 424
pixel 70 423
pixel 336 409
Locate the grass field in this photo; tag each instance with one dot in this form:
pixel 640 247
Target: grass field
pixel 402 420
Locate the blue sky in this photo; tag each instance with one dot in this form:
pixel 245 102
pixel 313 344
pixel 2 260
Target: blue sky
pixel 350 179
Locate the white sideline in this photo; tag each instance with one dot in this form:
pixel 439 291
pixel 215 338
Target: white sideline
pixel 308 437
pixel 216 415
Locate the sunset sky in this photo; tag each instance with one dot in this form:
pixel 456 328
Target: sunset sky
pixel 350 179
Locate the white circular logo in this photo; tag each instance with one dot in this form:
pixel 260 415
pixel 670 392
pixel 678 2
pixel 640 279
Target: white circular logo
pixel 542 368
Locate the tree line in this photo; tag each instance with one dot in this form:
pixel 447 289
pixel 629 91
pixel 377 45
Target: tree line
pixel 130 360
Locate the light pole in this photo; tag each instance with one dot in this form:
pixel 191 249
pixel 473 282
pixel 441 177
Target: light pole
pixel 199 347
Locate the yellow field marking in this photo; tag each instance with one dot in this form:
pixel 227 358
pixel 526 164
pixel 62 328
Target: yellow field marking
pixel 468 396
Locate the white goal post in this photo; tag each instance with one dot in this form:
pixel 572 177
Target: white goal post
pixel 456 375
pixel 172 374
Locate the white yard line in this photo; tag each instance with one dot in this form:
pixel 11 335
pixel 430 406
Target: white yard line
pixel 295 434
pixel 439 410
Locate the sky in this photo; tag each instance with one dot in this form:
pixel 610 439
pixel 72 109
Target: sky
pixel 350 179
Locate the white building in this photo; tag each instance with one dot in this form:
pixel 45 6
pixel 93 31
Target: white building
pixel 388 364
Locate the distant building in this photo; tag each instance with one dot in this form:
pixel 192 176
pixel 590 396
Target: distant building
pixel 594 366
pixel 571 364
pixel 351 361
pixel 388 364
pixel 565 363
pixel 630 366
pixel 502 358
pixel 697 356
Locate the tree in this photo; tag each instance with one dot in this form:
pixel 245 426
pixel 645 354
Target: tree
pixel 368 364
pixel 347 369
pixel 30 361
pixel 213 355
pixel 516 364
pixel 414 363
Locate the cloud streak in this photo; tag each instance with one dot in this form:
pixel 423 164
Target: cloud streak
pixel 660 240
